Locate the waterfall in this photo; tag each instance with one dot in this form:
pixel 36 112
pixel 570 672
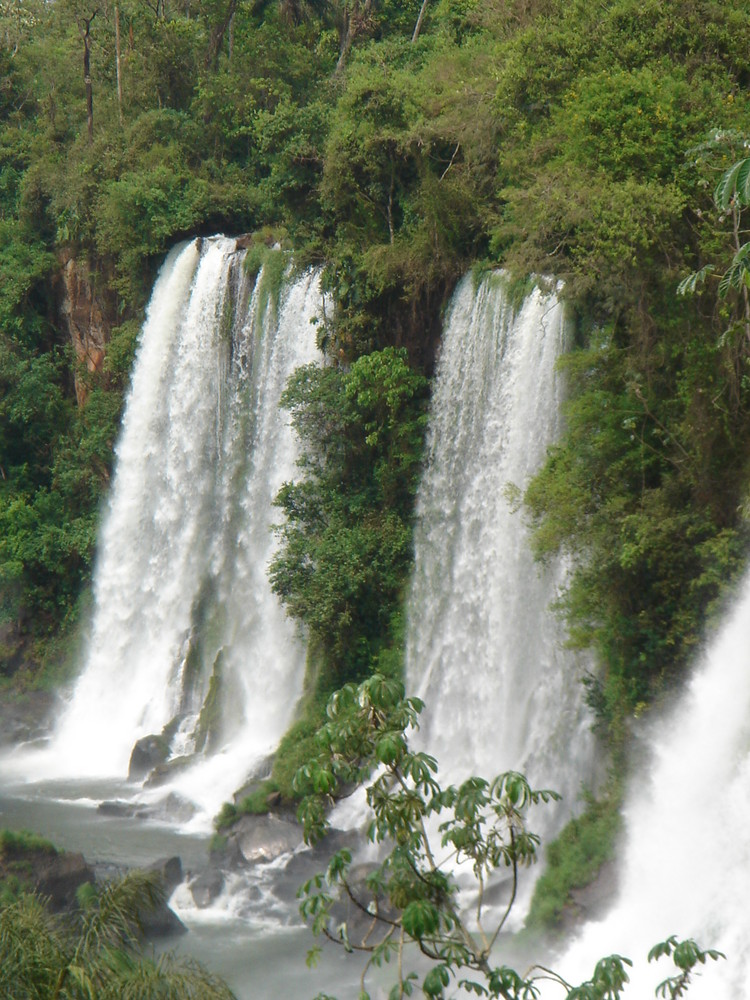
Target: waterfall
pixel 187 639
pixel 686 863
pixel 484 651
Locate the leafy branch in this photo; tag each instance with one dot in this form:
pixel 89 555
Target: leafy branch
pixel 427 833
pixel 731 195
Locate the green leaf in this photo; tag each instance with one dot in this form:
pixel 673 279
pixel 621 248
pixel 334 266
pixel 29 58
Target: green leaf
pixel 313 956
pixel 420 918
pixel 737 272
pixel 390 749
pixel 734 183
pixel 689 285
pixel 436 981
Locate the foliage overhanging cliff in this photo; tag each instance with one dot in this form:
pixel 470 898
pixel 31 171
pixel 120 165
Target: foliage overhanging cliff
pixel 570 138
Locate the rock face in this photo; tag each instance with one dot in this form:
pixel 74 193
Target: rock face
pixel 85 314
pixel 26 716
pixel 148 753
pixel 161 922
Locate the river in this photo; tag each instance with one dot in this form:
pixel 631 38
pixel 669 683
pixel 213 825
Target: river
pixel 262 957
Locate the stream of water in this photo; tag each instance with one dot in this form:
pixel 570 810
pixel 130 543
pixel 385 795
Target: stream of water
pixel 485 652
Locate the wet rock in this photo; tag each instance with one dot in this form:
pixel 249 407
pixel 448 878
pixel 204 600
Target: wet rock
pixel 106 871
pixel 206 888
pixel 498 890
pixel 260 774
pixel 263 838
pixel 57 876
pixel 27 716
pixel 174 808
pixel 170 870
pixel 163 772
pixel 161 922
pixel 118 808
pixel 300 867
pixel 148 753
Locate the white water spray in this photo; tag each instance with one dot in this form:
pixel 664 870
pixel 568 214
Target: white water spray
pixel 686 865
pixel 184 615
pixel 484 650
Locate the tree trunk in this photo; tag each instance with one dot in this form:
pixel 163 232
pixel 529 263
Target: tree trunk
pixel 418 25
pixel 117 61
pixel 354 24
pixel 86 36
pixel 216 37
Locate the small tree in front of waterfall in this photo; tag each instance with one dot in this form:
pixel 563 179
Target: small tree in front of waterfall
pixel 406 908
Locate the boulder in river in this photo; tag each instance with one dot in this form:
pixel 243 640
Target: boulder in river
pixel 148 752
pixel 206 887
pixel 263 838
pixel 118 808
pixel 170 870
pixel 162 773
pixel 161 922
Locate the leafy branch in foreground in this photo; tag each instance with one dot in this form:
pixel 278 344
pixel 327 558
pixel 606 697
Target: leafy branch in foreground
pixel 408 904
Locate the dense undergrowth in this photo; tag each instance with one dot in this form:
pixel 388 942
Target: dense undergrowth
pixel 92 946
pixel 581 139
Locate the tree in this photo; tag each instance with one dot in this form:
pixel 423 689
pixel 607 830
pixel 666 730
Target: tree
pixel 345 544
pixel 731 196
pixel 411 896
pixel 84 28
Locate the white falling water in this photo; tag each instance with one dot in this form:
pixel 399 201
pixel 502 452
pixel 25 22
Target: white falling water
pixel 686 866
pixel 483 649
pixel 180 584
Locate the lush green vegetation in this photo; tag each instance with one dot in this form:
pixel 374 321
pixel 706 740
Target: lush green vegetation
pixel 568 137
pixel 21 841
pixel 574 860
pixel 95 952
pixel 346 537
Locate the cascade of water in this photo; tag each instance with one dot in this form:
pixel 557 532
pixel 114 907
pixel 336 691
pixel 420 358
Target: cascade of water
pixel 483 649
pixel 686 864
pixel 258 656
pixel 185 624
